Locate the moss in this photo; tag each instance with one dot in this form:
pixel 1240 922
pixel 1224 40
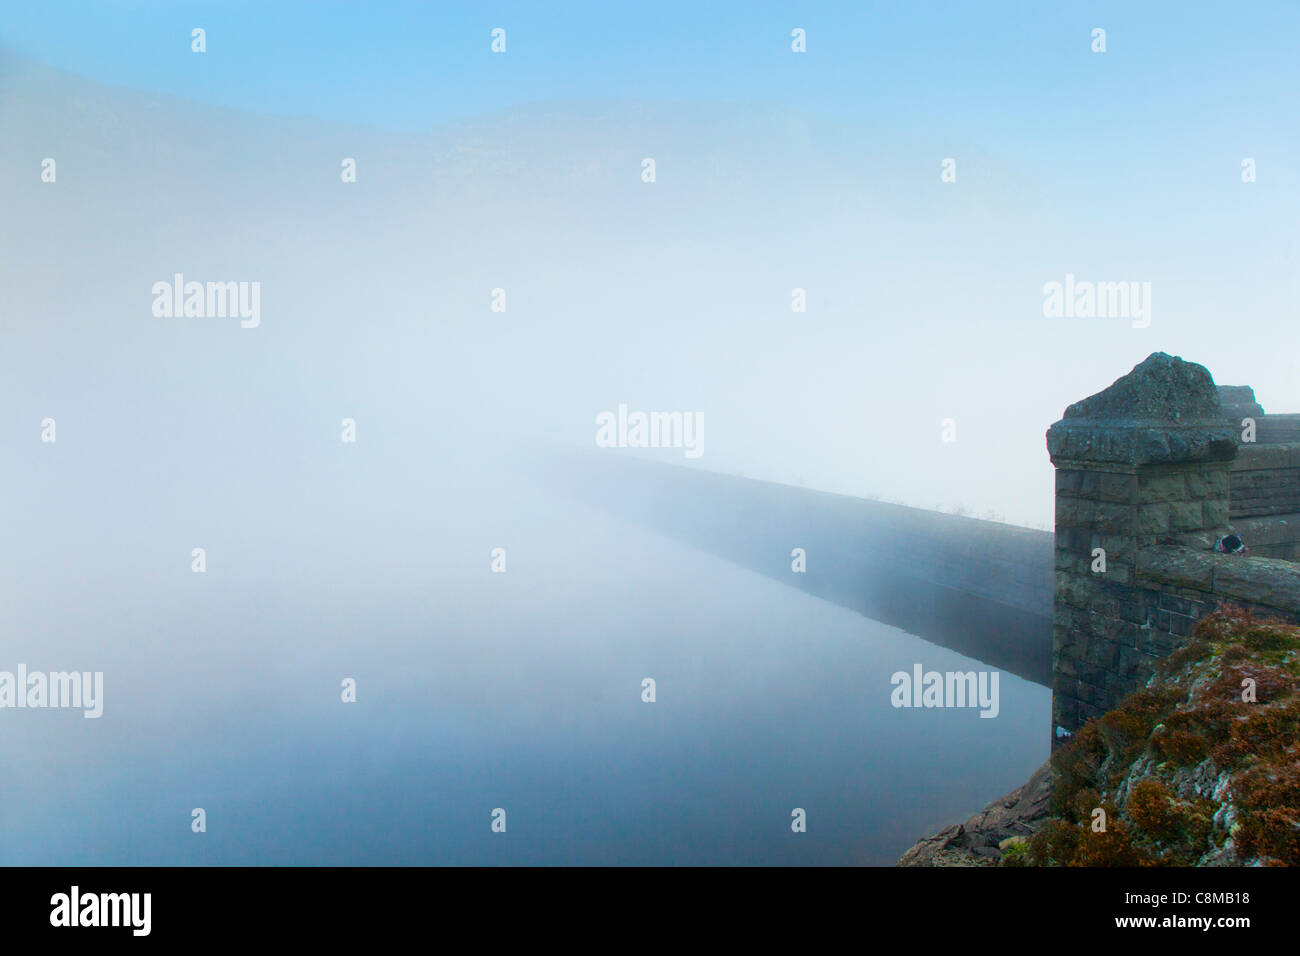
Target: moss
pixel 1268 637
pixel 1233 654
pixel 1268 795
pixel 1151 810
pixel 1190 721
pixel 1016 854
pixel 1272 834
pixel 1055 844
pixel 1172 830
pixel 1114 847
pixel 1077 766
pixel 1184 657
pixel 1085 801
pixel 1258 734
pixel 1180 747
pixel 1271 683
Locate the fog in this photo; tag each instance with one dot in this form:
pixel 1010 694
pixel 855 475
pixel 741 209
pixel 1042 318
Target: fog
pixel 370 559
pixel 923 304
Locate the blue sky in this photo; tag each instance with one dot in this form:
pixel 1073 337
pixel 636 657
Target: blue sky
pixel 1124 165
pixel 1003 72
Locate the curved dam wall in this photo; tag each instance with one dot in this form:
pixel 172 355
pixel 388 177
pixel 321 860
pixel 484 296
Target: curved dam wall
pixel 1150 473
pixel 978 587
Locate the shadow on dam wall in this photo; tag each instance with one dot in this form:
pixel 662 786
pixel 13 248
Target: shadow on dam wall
pixel 980 588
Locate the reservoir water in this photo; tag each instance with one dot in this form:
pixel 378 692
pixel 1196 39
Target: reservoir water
pixel 475 690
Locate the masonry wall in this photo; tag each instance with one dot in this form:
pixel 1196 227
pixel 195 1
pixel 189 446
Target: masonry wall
pixel 1106 633
pixel 1265 498
pixel 1154 493
pixel 982 588
pixel 744 519
pixel 1265 476
pixel 1122 631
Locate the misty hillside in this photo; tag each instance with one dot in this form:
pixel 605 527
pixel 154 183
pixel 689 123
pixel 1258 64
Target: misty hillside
pixel 672 295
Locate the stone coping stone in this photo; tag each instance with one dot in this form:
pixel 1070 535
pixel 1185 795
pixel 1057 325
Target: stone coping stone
pixel 1272 582
pixel 1164 411
pixel 1267 529
pixel 1239 402
pixel 1260 456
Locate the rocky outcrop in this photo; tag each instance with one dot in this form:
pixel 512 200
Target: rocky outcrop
pixel 1201 767
pixel 982 840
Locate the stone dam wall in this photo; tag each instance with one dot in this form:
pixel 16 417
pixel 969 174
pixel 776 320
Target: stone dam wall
pixel 982 588
pixel 1150 473
pixel 1264 498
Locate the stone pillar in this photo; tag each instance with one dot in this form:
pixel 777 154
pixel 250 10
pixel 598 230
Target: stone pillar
pixel 1143 463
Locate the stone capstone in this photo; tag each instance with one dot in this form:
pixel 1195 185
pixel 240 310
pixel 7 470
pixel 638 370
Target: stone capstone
pixel 1164 411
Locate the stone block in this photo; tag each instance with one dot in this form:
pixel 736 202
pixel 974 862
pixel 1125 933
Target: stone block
pixel 1252 457
pixel 1069 481
pixel 1105 605
pixel 1204 483
pixel 1162 486
pixel 1074 590
pixel 1138 606
pixel 1067 512
pixel 1098 516
pixel 1118 547
pixel 1102 653
pixel 1153 519
pixel 1215 514
pixel 1119 487
pixel 1065 711
pixel 1187 516
pixel 1123 633
pixel 1176 567
pixel 1064 667
pixel 1094 675
pixel 1087 712
pixel 1071 538
pixel 1134 665
pixel 1179 605
pixel 1266 581
pixel 1160 644
pixel 1119 573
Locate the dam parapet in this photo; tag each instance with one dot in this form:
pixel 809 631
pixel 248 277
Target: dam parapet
pixel 1150 474
pixel 982 588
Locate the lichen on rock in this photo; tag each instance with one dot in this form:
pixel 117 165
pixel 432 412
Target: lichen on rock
pixel 1199 768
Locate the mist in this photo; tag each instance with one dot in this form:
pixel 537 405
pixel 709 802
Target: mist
pixel 435 345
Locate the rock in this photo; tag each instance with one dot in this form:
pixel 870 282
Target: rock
pixel 981 840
